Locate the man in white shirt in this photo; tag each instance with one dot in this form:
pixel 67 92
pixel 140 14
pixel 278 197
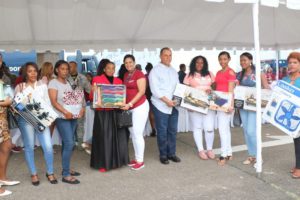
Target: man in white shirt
pixel 163 79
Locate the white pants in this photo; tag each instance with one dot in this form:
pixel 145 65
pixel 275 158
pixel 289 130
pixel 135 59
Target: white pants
pixel 139 119
pixel 203 122
pixel 225 134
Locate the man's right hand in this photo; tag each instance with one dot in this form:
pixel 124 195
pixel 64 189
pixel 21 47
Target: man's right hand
pixel 170 103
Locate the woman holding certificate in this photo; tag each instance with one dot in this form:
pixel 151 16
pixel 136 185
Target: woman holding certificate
pixel 109 143
pixel 136 101
pixel 36 89
pixel 68 100
pixel 201 78
pixel 225 82
pixel 247 78
pixel 294 79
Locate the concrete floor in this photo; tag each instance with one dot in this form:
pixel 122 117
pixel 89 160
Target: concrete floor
pixel 191 179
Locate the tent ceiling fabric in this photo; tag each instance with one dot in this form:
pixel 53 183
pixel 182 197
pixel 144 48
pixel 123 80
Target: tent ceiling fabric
pixel 111 24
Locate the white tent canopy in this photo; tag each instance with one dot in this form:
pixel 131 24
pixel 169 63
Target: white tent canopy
pixel 136 24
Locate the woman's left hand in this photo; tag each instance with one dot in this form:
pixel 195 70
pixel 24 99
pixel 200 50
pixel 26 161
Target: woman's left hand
pixel 125 107
pixel 230 109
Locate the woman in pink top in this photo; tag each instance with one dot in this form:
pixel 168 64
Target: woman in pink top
pixel 225 82
pixel 200 78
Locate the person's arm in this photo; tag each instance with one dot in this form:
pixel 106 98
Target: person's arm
pixel 56 105
pixel 141 84
pixel 82 111
pixel 7 102
pixel 86 84
pixel 231 86
pixel 264 81
pixel 156 92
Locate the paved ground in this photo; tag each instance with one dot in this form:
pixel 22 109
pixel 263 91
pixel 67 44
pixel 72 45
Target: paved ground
pixel 191 179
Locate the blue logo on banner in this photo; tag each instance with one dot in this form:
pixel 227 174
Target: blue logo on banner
pixel 286 116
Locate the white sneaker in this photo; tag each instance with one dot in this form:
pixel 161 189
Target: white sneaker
pixel 5 193
pixel 9 183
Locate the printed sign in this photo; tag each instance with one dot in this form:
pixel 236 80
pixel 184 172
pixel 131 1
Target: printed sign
pixel 245 98
pixel 220 101
pixel 283 109
pixel 34 109
pixel 191 98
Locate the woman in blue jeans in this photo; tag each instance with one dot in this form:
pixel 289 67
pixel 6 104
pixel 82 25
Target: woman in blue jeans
pixel 247 78
pixel 68 100
pixel 28 132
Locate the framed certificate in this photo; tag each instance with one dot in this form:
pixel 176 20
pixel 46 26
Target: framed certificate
pixel 109 96
pixel 245 98
pixel 191 98
pixel 220 101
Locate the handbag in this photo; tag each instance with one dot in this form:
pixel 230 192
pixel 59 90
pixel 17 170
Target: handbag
pixel 11 118
pixel 124 119
pixel 237 121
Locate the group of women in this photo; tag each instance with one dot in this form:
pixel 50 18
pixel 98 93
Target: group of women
pixel 110 143
pixel 226 79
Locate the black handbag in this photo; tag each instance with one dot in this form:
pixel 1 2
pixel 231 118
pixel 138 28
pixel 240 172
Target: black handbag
pixel 11 118
pixel 237 121
pixel 124 119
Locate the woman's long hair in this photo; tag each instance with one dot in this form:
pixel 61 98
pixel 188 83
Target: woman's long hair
pixel 250 57
pixel 47 70
pixel 101 66
pixel 204 71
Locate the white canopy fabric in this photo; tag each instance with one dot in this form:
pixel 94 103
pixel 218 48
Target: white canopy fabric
pixel 137 24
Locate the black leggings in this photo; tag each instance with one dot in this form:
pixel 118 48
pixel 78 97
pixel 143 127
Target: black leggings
pixel 297 152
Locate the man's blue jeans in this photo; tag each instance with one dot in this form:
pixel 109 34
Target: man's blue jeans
pixel 28 135
pixel 166 128
pixel 66 129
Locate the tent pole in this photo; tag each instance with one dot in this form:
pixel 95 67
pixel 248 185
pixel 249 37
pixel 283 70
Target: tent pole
pixel 255 13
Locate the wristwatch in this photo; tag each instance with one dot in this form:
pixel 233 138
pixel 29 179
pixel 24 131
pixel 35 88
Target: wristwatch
pixel 130 105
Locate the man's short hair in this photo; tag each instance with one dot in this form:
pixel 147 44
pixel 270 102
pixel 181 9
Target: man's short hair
pixel 164 49
pixel 73 62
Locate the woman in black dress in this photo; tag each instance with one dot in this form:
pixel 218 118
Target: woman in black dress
pixel 109 144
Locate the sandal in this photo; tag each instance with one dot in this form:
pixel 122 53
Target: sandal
pixel 293 170
pixel 35 180
pixel 249 160
pixel 202 155
pixel 221 161
pixel 296 174
pixel 74 173
pixel 211 154
pixel 229 158
pixel 51 178
pixel 72 180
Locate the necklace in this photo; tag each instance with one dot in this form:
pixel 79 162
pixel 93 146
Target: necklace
pixel 128 78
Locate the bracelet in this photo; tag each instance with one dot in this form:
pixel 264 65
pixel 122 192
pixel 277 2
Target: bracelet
pixel 130 105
